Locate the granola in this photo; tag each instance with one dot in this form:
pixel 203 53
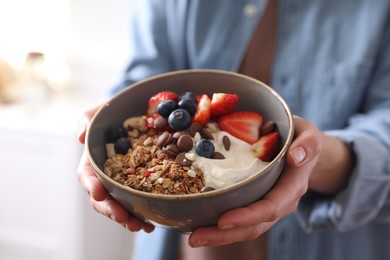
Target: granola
pixel 146 167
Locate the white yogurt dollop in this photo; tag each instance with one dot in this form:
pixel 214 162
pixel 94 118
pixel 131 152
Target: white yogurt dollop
pixel 239 163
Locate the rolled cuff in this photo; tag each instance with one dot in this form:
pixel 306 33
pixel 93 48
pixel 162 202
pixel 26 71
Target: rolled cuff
pixel 364 197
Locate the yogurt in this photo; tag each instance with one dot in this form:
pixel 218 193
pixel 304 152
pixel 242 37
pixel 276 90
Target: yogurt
pixel 240 162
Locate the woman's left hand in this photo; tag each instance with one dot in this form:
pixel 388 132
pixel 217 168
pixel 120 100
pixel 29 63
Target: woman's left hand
pixel 250 222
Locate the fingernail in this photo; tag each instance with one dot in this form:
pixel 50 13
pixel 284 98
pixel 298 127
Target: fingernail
pixel 198 243
pixel 112 217
pixel 298 154
pixel 229 226
pixel 201 243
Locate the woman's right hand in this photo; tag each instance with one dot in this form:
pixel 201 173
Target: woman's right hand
pixel 101 200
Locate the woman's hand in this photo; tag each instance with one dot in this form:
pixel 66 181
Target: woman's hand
pixel 250 222
pixel 101 201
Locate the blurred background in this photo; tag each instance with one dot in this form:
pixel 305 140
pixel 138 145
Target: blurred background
pixel 57 58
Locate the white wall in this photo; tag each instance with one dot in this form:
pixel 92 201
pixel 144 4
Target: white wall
pixel 100 44
pixel 45 214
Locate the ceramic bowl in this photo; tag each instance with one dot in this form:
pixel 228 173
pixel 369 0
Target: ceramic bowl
pixel 188 212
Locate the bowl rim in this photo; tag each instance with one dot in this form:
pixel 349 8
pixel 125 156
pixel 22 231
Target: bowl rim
pixel 228 189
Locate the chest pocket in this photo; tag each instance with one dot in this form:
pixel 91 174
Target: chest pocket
pixel 344 87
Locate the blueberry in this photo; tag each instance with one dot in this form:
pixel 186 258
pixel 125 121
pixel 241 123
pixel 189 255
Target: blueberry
pixel 114 132
pixel 179 119
pixel 122 145
pixel 204 148
pixel 188 95
pixel 188 104
pixel 166 107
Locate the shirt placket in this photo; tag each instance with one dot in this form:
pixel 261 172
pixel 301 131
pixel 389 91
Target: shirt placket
pixel 283 237
pixel 286 71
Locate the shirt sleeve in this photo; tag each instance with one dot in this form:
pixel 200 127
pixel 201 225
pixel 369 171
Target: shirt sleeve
pixel 366 199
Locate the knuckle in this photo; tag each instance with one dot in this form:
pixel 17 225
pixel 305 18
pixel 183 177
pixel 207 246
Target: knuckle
pixel 256 232
pixel 302 190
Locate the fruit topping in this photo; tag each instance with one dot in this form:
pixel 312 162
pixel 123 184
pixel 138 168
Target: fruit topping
pixel 267 146
pixel 203 114
pixel 122 145
pixel 166 107
pixel 204 148
pixel 156 99
pixel 188 104
pixel 188 121
pixel 180 119
pixel 115 132
pixel 188 95
pixel 223 103
pixel 244 125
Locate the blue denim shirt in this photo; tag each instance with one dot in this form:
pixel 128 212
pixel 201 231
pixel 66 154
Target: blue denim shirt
pixel 332 66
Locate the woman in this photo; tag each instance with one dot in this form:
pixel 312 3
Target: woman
pixel 330 60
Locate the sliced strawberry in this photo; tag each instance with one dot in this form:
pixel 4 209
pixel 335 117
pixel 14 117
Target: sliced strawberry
pixel 267 147
pixel 202 114
pixel 244 125
pixel 156 99
pixel 223 103
pixel 198 97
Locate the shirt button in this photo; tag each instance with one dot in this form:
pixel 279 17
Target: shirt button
pixel 250 10
pixel 283 81
pixel 282 237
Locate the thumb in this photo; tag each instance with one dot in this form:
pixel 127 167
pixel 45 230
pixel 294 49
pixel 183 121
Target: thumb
pixel 84 122
pixel 306 145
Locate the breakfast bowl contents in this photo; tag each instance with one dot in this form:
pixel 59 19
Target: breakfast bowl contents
pixel 181 148
pixel 189 144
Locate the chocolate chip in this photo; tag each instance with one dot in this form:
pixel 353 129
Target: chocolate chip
pixel 206 134
pixel 182 160
pixel 185 143
pixel 267 128
pixel 162 139
pixel 226 142
pixel 194 128
pixel 218 156
pixel 171 149
pixel 176 135
pixel 160 122
pixel 208 188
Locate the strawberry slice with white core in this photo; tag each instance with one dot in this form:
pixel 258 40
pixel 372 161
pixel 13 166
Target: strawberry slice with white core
pixel 157 98
pixel 244 125
pixel 267 146
pixel 223 103
pixel 202 114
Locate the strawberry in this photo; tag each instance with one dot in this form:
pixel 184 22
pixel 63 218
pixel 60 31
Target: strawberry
pixel 198 97
pixel 157 98
pixel 244 125
pixel 202 114
pixel 267 146
pixel 223 103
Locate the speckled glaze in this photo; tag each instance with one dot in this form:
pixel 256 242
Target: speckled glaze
pixel 187 212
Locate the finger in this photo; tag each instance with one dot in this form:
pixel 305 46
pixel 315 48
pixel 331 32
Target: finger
pixel 89 180
pixel 306 145
pixel 84 121
pixel 213 236
pixel 258 212
pixel 280 201
pixel 113 210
